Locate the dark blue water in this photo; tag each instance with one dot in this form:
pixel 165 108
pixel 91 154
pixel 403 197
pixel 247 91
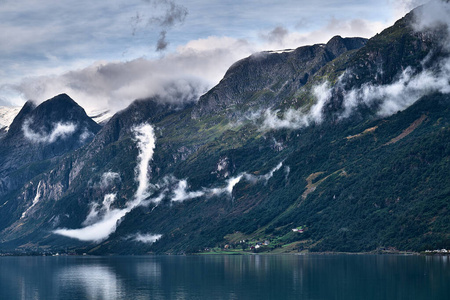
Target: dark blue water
pixel 226 277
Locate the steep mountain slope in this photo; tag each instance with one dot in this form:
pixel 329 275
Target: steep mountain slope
pixel 346 142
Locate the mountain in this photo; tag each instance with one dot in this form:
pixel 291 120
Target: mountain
pixel 342 146
pixel 38 137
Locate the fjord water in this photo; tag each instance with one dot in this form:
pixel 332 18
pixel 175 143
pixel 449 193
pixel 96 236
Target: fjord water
pixel 226 277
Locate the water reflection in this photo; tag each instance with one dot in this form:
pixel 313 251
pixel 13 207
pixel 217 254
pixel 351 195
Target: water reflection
pixel 225 277
pixel 94 281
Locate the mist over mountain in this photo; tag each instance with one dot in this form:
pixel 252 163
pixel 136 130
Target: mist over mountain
pixel 345 142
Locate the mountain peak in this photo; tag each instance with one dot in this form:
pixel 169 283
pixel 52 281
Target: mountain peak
pixel 61 107
pixel 52 128
pixel 338 45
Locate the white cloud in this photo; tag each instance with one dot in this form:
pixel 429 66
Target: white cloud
pixel 181 194
pixel 434 15
pixel 411 85
pixel 292 118
pixel 103 221
pixel 145 137
pixel 179 77
pixel 60 130
pixel 400 94
pixel 228 189
pixel 185 73
pixel 147 238
pixel 97 231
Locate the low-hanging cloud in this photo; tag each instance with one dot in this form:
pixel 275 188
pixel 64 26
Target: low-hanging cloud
pixel 400 94
pixel 145 138
pixel 386 99
pixel 60 130
pixel 146 238
pixel 294 118
pixel 182 194
pixel 411 85
pixel 176 78
pixel 103 220
pixel 431 15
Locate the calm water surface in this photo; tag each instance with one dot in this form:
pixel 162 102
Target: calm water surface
pixel 226 277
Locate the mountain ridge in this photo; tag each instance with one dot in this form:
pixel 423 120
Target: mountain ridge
pixel 217 176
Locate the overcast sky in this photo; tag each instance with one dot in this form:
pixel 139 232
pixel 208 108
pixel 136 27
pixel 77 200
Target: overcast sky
pixel 104 54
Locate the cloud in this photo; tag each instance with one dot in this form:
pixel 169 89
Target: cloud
pixel 276 35
pixel 176 78
pixel 162 43
pixel 145 137
pixel 98 231
pixel 434 16
pixel 293 118
pixel 86 134
pixel 97 211
pixel 411 85
pixel 181 194
pixel 400 94
pixel 60 130
pixel 384 99
pixel 172 15
pixel 102 221
pixel 147 238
